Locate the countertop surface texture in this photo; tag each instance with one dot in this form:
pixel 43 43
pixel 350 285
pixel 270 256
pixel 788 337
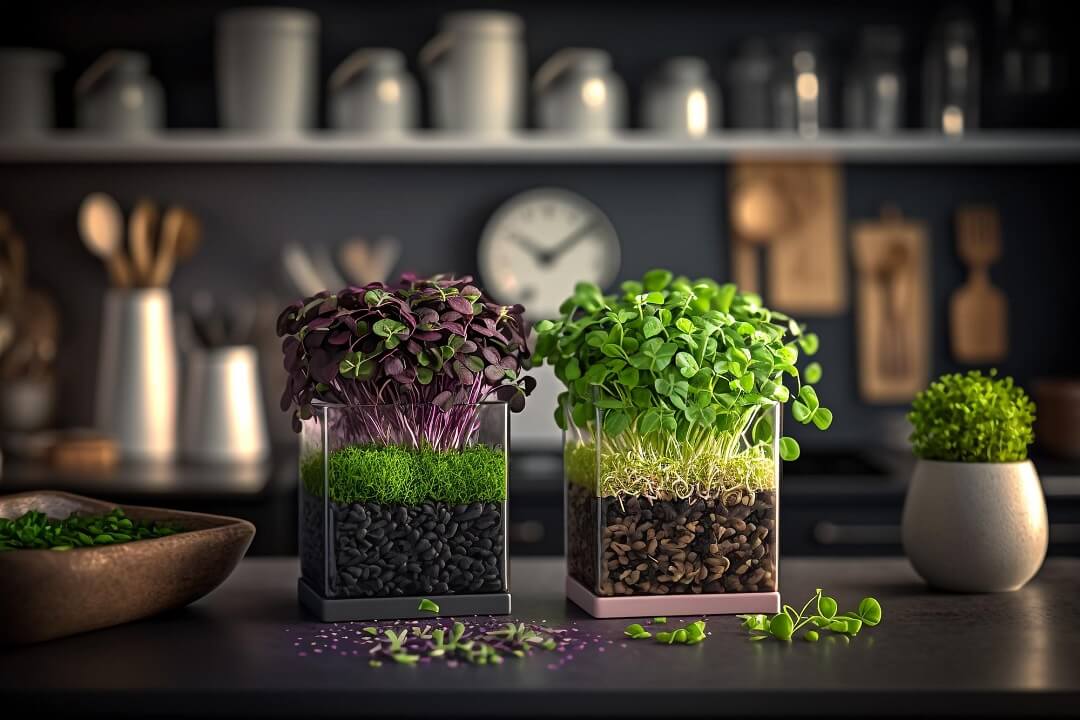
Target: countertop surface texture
pixel 247 649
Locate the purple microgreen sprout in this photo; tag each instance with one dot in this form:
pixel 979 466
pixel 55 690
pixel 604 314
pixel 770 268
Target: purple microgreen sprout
pixel 429 349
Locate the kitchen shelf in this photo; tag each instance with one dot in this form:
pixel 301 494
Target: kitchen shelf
pixel 209 146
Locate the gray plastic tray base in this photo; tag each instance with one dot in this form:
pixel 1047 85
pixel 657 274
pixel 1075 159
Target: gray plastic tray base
pixel 399 608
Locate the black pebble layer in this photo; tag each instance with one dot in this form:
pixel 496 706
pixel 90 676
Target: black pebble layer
pixel 401 550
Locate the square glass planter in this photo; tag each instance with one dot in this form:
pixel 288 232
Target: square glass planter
pixel 400 503
pixel 662 525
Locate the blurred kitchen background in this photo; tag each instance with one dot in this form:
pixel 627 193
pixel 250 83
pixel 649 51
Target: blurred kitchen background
pixel 900 175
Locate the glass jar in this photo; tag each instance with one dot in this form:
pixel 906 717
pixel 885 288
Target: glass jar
pixel 666 525
pixel 400 503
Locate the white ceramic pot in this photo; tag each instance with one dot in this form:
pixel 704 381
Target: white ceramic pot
pixel 975 527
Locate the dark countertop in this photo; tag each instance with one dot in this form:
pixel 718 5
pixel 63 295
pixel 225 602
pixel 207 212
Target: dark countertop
pixel 234 653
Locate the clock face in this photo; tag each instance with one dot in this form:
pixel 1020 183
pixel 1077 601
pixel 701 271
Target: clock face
pixel 541 243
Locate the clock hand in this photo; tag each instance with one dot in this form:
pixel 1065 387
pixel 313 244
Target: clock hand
pixel 549 256
pixel 528 245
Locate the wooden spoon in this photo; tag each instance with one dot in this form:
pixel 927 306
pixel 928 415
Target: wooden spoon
pixel 190 235
pixel 179 238
pixel 101 226
pixel 141 226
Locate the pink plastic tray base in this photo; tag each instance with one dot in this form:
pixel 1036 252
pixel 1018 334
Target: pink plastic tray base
pixel 654 605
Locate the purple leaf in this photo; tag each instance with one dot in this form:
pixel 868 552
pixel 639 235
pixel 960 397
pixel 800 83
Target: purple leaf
pixel 456 328
pixel 427 335
pixel 462 305
pixel 393 365
pixel 491 355
pixel 341 337
pixel 494 373
pixel 464 374
pixel 323 366
pixel 443 399
pixel 320 323
pixel 467 348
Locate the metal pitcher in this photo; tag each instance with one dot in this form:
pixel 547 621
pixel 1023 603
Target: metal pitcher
pixel 224 419
pixel 137 375
pixel 372 92
pixel 118 95
pixel 476 71
pixel 577 91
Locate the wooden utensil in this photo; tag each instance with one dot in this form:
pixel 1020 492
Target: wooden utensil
pixel 189 237
pixel 101 226
pixel 165 259
pixel 365 263
pixel 301 270
pixel 893 307
pixel 793 210
pixel 142 224
pixel 978 311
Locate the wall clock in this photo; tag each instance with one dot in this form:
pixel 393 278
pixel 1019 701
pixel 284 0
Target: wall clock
pixel 540 243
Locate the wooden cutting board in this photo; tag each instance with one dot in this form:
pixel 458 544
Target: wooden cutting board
pixel 793 210
pixel 978 311
pixel 892 307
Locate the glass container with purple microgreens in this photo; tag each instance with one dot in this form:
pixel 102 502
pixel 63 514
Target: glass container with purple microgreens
pixel 401 396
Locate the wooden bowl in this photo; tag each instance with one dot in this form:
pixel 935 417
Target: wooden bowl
pixel 49 594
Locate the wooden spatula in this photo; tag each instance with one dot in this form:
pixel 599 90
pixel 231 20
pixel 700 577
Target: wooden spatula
pixel 978 311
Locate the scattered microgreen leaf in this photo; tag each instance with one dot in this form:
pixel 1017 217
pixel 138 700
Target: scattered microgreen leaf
pixel 787 623
pixel 428 606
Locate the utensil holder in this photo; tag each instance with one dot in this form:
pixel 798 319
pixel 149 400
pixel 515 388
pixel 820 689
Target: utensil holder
pixel 223 415
pixel 137 374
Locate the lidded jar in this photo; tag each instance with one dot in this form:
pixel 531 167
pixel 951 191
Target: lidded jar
pixel 681 99
pixel 373 92
pixel 118 95
pixel 577 91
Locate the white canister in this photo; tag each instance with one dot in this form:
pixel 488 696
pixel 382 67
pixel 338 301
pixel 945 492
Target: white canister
pixel 476 70
pixel 117 95
pixel 373 92
pixel 578 92
pixel 224 417
pixel 975 527
pixel 681 99
pixel 267 69
pixel 136 400
pixel 26 90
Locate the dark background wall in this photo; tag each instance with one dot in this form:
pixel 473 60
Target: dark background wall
pixel 673 216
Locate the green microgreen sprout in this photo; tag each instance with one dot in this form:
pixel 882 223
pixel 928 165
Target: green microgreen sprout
pixel 35 530
pixel 456 642
pixel 972 418
pixel 428 606
pixel 692 634
pixel 786 624
pixel 682 379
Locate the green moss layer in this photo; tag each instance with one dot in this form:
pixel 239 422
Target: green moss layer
pixel 639 472
pixel 407 476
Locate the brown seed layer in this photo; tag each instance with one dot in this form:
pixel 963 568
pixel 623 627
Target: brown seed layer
pixel 659 547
